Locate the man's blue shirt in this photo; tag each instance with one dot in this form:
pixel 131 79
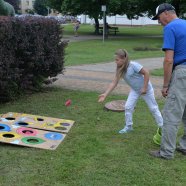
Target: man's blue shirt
pixel 175 39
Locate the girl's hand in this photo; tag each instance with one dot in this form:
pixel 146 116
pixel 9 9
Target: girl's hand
pixel 101 98
pixel 143 91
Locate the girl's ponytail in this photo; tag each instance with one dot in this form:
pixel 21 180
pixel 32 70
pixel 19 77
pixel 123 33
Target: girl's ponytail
pixel 123 54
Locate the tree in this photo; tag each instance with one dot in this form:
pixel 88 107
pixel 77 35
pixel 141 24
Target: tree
pixel 6 9
pixel 40 7
pixel 55 4
pixel 15 4
pixel 77 7
pixel 131 8
pixel 150 6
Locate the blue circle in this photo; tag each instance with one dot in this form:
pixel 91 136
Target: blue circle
pixel 53 136
pixel 4 127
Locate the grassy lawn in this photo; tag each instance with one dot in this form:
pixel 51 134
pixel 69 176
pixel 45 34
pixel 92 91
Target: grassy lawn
pixel 94 51
pixel 93 153
pixel 140 42
pixel 157 72
pixel 86 29
pixel 146 38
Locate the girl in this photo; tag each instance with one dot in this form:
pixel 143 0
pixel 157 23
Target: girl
pixel 76 27
pixel 138 79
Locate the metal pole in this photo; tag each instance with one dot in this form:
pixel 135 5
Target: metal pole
pixel 103 26
pixel 103 8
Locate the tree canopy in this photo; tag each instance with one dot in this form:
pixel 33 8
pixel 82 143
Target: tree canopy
pixel 55 4
pixel 132 8
pixel 15 4
pixel 40 7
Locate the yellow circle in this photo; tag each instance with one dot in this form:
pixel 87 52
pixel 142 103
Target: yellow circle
pixel 9 136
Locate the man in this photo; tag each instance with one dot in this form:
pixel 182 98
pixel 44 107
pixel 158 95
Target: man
pixel 174 86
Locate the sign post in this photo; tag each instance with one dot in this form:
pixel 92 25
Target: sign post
pixel 103 8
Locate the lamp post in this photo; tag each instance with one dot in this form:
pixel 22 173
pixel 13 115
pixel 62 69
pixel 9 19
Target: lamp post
pixel 103 8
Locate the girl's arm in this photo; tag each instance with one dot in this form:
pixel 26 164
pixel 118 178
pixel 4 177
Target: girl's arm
pixel 145 73
pixel 109 89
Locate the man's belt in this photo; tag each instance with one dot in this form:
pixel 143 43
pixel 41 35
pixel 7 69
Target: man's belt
pixel 179 63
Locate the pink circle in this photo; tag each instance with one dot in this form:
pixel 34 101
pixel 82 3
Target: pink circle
pixel 26 131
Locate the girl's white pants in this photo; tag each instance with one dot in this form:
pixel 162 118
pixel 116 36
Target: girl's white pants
pixel 150 101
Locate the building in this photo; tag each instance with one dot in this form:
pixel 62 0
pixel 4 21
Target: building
pixel 26 6
pixel 119 20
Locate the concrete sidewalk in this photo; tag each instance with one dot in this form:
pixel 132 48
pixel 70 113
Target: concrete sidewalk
pixel 97 77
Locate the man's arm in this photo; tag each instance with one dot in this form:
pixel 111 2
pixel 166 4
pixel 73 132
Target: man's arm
pixel 167 65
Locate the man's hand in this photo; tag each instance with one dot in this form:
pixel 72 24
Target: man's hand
pixel 164 92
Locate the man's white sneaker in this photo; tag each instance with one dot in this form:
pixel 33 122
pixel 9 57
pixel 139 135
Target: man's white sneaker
pixel 126 129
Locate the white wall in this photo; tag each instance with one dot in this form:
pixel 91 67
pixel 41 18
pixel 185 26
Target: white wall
pixel 119 20
pixel 26 4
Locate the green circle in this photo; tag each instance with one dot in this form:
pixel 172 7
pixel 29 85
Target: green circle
pixel 32 140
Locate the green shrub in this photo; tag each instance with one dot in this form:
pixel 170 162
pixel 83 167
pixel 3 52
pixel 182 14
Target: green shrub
pixel 31 50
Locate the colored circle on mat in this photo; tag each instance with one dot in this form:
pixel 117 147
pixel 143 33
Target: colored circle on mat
pixel 9 135
pixel 53 136
pixel 39 119
pixel 10 118
pixel 65 124
pixel 50 124
pixel 60 128
pixel 21 123
pixel 26 131
pixel 32 140
pixel 4 127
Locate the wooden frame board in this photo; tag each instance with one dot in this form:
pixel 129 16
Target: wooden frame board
pixel 38 122
pixel 29 137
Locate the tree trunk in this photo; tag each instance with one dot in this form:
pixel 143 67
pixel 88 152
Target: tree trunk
pixel 96 26
pixel 106 27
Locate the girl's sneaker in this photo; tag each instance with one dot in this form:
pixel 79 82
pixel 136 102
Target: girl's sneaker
pixel 126 129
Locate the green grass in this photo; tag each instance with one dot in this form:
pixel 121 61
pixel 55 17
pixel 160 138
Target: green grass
pixel 130 38
pixel 83 30
pixel 94 51
pixel 86 29
pixel 157 72
pixel 93 153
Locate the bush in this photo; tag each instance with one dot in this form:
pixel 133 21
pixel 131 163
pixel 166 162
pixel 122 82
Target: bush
pixel 31 50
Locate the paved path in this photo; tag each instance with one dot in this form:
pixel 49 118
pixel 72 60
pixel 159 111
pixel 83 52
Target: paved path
pixel 97 77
